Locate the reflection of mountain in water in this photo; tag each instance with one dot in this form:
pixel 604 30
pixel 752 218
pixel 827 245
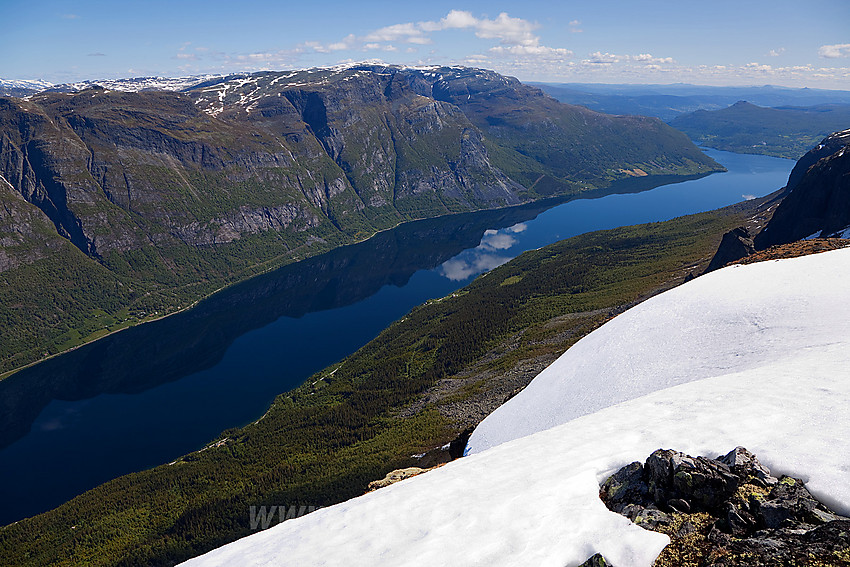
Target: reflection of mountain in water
pixel 148 355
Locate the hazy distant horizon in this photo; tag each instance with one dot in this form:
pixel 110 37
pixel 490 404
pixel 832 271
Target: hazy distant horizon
pixel 729 43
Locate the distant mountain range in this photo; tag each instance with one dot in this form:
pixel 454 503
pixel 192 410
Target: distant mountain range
pixel 784 131
pixel 22 88
pixel 669 101
pixel 28 88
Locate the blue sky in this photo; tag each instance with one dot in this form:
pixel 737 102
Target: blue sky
pixel 742 42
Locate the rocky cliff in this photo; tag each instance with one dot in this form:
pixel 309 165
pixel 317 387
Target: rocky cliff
pixel 814 204
pixel 818 200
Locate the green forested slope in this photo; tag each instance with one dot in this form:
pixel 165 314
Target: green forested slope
pixel 787 132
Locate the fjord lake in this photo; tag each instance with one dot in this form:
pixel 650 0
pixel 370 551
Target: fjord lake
pixel 149 394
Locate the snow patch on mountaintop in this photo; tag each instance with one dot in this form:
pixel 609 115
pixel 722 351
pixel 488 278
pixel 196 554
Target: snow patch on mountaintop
pixel 534 500
pixel 35 84
pixel 137 84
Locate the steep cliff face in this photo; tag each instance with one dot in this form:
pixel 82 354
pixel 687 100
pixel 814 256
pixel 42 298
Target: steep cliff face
pixel 818 198
pixel 119 171
pixel 26 233
pixel 815 203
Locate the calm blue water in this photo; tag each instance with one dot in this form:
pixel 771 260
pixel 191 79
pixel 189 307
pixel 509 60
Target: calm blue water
pixel 148 395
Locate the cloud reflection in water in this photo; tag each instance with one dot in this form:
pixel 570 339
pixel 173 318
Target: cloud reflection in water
pixel 483 257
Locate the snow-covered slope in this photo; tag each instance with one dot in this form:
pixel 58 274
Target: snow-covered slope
pixel 732 321
pixel 760 354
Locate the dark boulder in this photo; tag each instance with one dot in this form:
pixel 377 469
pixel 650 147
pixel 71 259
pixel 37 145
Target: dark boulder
pixel 728 511
pixel 735 244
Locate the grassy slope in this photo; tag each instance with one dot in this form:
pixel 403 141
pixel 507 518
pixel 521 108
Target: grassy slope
pixel 787 132
pixel 323 442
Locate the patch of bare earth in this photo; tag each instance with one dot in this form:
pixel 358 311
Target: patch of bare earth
pixel 795 249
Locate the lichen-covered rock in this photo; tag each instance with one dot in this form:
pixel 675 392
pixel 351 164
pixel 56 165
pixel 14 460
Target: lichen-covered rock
pixel 596 561
pixel 678 481
pixel 728 511
pixel 395 476
pixel 745 465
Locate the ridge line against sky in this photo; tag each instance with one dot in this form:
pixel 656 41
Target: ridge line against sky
pixel 724 42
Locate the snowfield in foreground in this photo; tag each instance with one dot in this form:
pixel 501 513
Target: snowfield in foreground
pixel 727 321
pixel 753 355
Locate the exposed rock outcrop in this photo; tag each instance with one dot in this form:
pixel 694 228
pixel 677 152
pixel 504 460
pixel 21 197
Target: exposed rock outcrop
pixel 395 476
pixel 736 244
pixel 595 561
pixel 815 203
pixel 728 511
pixel 818 200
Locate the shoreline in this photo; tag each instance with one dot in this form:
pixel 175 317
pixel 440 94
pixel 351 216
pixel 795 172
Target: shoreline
pixel 624 185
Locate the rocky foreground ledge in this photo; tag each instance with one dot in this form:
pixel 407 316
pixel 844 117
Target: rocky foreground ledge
pixel 726 512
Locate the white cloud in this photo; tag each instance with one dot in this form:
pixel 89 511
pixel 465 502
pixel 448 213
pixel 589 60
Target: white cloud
pixel 346 43
pixel 380 47
pixel 575 27
pixel 508 30
pixel 531 50
pixel 477 60
pixel 408 33
pixel 515 36
pixel 758 67
pixel 496 240
pixel 647 58
pixel 776 52
pixel 599 58
pixel 459 269
pixel 834 51
pixel 456 19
